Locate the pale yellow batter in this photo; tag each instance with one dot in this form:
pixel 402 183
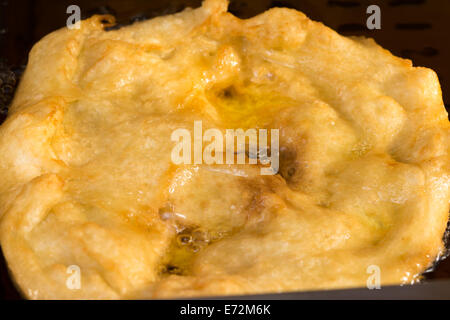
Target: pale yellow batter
pixel 87 178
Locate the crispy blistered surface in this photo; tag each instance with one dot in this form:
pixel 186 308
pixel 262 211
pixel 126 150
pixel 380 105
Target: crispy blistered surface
pixel 87 177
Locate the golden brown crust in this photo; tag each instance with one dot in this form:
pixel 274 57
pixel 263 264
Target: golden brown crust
pixel 87 178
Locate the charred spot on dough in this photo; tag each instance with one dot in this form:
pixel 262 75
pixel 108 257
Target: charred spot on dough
pixel 224 93
pixel 171 269
pixel 228 92
pixel 291 171
pixel 289 166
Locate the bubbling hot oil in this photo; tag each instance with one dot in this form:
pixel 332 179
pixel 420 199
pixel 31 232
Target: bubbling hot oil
pixel 189 241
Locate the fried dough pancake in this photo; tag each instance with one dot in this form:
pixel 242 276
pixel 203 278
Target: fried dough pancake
pixel 87 176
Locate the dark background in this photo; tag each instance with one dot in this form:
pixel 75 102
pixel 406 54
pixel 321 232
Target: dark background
pixel 415 29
